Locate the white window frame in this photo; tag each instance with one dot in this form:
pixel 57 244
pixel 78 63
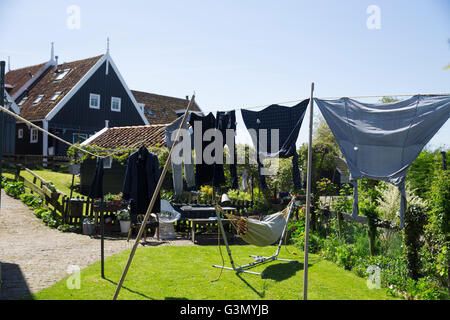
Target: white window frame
pixel 56 95
pixel 94 95
pixel 119 101
pixel 24 99
pixel 36 139
pixel 63 73
pixel 20 134
pixel 38 99
pixel 79 135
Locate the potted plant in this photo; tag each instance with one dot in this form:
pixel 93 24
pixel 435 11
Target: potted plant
pixel 125 220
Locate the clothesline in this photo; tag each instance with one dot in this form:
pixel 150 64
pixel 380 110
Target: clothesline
pixel 54 136
pixel 351 97
pixel 247 108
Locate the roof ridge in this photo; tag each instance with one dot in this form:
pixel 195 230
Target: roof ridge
pixel 28 67
pixel 142 126
pixel 160 95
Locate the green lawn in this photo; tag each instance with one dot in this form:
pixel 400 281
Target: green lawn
pixel 62 181
pixel 185 273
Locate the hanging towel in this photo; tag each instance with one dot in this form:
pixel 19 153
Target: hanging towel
pixel 380 141
pixel 288 121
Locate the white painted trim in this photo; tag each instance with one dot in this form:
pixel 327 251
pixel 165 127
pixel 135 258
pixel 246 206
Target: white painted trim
pixel 72 91
pixel 15 108
pixel 83 80
pixel 91 138
pixel 20 133
pixel 124 84
pixel 31 135
pixel 32 80
pixel 45 138
pixel 99 100
pixel 120 104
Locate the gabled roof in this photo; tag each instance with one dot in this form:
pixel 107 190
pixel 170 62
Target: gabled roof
pixel 129 137
pixel 163 108
pixel 47 85
pixel 16 79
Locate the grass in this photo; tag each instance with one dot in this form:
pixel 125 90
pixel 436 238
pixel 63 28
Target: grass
pixel 62 181
pixel 171 272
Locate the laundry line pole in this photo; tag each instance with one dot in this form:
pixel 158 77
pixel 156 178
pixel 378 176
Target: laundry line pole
pixel 153 200
pixel 308 196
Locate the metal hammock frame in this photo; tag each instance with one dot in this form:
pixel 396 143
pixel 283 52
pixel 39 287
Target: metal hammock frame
pixel 257 259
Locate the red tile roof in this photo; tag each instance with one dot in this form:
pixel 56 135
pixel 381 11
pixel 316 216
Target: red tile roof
pixel 48 86
pixel 131 136
pixel 15 79
pixel 162 107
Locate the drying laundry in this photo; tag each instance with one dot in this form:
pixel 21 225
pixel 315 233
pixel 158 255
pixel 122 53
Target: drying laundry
pixel 204 172
pixel 177 168
pixel 380 141
pixel 226 120
pixel 288 121
pixel 97 183
pixel 141 177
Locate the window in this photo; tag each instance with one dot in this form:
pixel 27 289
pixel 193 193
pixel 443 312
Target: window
pixel 79 137
pixel 150 113
pixel 56 95
pixel 107 163
pixel 141 105
pixel 94 101
pixel 38 99
pixel 20 133
pixel 62 74
pixel 115 104
pixel 34 135
pixel 24 99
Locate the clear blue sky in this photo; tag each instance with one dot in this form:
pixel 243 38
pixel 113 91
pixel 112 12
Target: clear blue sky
pixel 245 53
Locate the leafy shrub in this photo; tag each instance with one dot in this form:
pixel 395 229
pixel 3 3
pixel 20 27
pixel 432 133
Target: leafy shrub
pixel 31 200
pixel 14 188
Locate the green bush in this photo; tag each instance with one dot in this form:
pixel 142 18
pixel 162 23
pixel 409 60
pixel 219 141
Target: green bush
pixel 14 188
pixel 31 200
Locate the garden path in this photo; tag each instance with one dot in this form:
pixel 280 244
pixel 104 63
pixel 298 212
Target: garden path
pixel 34 256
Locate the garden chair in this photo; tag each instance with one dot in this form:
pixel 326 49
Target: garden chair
pixel 153 223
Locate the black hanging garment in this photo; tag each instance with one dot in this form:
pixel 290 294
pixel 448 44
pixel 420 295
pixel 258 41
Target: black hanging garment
pixel 288 121
pixel 226 120
pixel 97 183
pixel 141 177
pixel 204 173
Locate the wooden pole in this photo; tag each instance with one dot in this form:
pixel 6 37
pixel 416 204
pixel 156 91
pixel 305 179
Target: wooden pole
pixel 308 196
pixel 153 200
pixel 2 120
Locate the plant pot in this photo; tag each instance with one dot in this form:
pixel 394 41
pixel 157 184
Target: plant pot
pixel 125 226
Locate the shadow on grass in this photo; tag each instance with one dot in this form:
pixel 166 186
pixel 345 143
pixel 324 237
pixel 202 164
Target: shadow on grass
pixel 132 291
pixel 282 271
pixel 260 294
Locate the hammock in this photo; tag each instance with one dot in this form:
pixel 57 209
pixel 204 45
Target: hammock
pixel 263 232
pixel 258 232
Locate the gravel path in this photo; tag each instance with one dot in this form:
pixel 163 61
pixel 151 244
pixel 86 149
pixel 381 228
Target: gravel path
pixel 34 256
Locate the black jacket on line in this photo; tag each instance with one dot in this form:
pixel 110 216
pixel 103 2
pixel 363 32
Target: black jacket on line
pixel 141 177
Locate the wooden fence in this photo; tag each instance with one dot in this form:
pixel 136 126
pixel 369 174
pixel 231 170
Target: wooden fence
pixel 56 163
pixel 72 211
